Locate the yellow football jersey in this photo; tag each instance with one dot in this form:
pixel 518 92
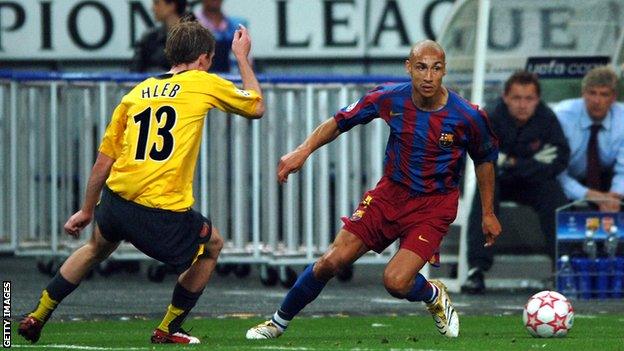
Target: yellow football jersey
pixel 155 133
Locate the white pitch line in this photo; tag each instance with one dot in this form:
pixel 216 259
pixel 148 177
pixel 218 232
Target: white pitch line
pixel 389 301
pixel 293 348
pixel 510 307
pixel 255 293
pixel 405 302
pixel 78 347
pixel 279 348
pixel 283 348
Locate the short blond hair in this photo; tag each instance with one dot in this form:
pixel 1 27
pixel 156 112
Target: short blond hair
pixel 603 76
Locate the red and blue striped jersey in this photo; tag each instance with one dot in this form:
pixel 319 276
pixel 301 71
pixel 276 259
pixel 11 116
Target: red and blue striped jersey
pixel 426 150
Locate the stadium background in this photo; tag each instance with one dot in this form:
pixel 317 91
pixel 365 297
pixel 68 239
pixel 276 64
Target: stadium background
pixel 318 42
pixel 350 37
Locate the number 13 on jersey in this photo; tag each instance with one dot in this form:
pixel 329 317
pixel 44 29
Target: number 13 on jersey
pixel 144 120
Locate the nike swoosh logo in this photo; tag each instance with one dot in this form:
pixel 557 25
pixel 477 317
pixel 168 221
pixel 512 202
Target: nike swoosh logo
pixel 392 114
pixel 420 237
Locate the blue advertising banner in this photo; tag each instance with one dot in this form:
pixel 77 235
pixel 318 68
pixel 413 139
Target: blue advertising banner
pixel 573 225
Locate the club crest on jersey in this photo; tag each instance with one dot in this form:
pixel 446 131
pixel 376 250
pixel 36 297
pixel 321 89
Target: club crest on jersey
pixel 446 140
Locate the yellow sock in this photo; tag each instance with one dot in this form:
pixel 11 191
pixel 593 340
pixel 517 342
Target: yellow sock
pixel 45 308
pixel 172 313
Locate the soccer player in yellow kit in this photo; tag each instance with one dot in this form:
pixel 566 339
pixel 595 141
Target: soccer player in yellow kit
pixel 144 173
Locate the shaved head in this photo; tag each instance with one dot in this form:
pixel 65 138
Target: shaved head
pixel 426 66
pixel 426 46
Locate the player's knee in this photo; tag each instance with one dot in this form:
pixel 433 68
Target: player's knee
pixel 326 268
pixel 95 252
pixel 396 286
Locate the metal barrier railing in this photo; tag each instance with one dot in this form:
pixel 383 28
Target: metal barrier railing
pixel 51 125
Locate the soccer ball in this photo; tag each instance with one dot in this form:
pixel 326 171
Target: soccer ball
pixel 548 314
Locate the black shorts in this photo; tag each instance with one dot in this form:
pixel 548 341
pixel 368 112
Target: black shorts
pixel 170 237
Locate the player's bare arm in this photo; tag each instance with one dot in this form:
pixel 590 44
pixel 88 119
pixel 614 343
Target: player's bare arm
pixel 485 180
pixel 294 160
pixel 83 217
pixel 241 46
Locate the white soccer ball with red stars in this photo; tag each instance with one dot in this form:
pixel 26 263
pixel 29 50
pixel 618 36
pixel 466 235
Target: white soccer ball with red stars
pixel 548 314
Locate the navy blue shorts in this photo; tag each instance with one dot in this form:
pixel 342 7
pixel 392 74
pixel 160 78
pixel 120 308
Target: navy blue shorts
pixel 167 236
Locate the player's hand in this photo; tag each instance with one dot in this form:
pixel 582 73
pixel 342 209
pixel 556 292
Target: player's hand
pixel 241 44
pixel 77 222
pixel 491 229
pixel 290 163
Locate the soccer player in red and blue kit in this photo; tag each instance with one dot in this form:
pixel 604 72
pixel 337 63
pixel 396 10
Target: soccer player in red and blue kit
pixel 431 130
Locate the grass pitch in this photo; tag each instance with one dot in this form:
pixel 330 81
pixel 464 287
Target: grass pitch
pixel 604 332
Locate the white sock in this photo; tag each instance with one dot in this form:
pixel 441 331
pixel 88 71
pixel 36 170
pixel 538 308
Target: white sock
pixel 280 322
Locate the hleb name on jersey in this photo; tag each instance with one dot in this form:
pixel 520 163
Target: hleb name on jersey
pixel 160 90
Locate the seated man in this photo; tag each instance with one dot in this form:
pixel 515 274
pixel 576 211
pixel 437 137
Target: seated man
pixel 533 151
pixel 594 127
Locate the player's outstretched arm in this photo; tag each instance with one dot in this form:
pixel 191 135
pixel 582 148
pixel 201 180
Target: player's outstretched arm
pixel 241 46
pixel 485 180
pixel 294 160
pixel 99 174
